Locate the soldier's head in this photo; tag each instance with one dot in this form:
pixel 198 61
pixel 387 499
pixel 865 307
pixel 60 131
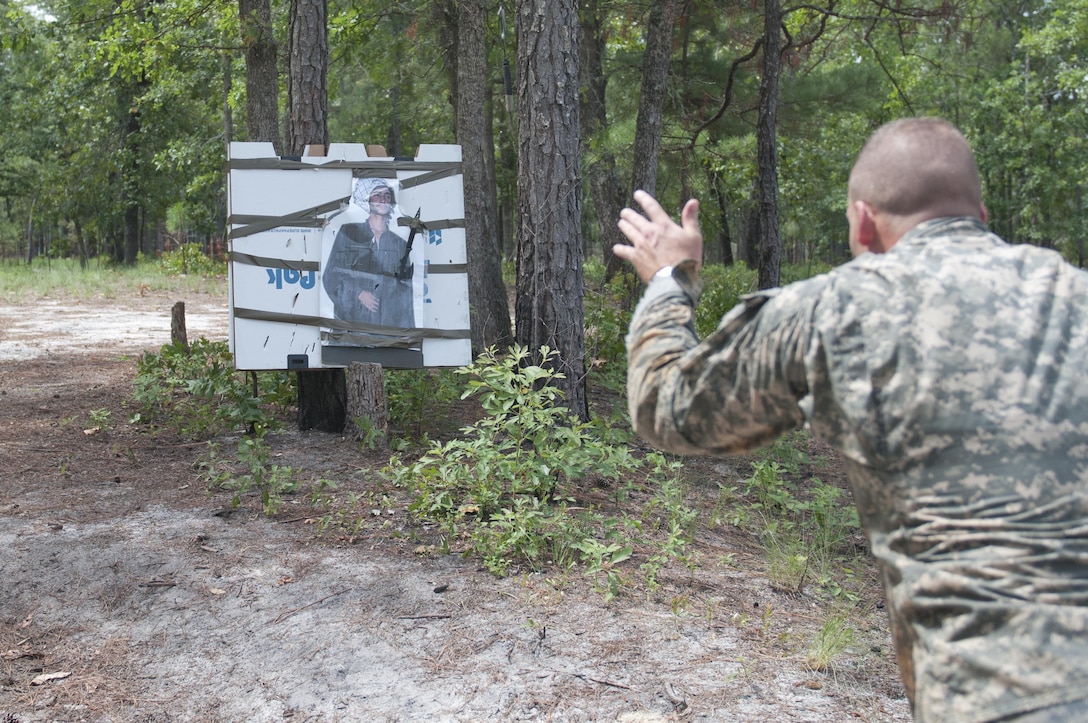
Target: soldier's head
pixel 909 171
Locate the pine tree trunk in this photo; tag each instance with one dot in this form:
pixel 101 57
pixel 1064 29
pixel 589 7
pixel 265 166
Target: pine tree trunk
pixel 770 241
pixel 487 292
pixel 608 193
pixel 548 306
pixel 655 74
pixel 322 394
pixel 262 81
pixel 307 95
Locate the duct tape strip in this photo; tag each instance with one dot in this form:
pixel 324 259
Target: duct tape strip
pixel 359 169
pixel 306 218
pixel 447 269
pixel 240 258
pixel 338 326
pixel 347 338
pixel 425 178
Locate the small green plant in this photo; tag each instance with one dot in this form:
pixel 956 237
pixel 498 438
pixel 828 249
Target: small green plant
pixel 416 396
pixel 834 636
pixel 252 470
pixel 100 418
pixel 803 536
pixel 787 556
pixel 723 287
pixel 370 436
pixel 196 390
pixel 606 322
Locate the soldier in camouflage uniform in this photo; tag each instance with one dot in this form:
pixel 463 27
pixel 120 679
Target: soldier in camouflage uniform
pixel 950 369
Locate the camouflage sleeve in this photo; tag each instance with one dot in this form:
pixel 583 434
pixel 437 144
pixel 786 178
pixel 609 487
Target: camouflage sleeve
pixel 736 390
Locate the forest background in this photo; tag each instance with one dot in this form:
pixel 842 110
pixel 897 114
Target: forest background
pixel 115 117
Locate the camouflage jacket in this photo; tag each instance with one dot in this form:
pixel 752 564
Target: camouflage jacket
pixel 952 375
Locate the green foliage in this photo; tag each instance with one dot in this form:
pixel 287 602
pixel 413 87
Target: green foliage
pixel 416 397
pixel 805 533
pixel 197 392
pixel 251 469
pixel 525 445
pixel 191 259
pixel 722 288
pixel 508 484
pixel 606 321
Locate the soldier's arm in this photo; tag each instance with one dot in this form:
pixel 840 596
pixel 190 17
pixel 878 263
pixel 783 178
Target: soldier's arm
pixel 736 390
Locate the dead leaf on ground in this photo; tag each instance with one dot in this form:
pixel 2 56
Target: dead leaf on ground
pixel 46 677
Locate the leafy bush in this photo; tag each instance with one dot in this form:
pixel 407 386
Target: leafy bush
pixel 414 396
pixel 508 484
pixel 606 324
pixel 722 288
pixel 198 392
pixel 191 259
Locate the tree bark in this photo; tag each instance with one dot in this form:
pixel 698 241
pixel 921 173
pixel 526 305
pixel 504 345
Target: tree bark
pixel 655 74
pixel 307 92
pixel 548 307
pixel 487 292
pixel 366 401
pixel 262 80
pixel 179 337
pixel 770 241
pixel 608 194
pixel 321 393
pixel 725 239
pixel 322 400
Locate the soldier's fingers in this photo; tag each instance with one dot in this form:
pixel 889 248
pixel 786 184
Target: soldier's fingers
pixel 651 207
pixel 623 251
pixel 689 217
pixel 634 225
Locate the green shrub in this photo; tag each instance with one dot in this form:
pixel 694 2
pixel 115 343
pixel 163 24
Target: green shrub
pixel 722 288
pixel 197 392
pixel 508 484
pixel 606 324
pixel 191 259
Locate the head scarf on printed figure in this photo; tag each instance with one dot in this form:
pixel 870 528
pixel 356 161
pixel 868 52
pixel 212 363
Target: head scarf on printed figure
pixel 367 187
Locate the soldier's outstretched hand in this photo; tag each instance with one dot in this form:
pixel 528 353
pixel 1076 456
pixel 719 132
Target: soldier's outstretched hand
pixel 656 240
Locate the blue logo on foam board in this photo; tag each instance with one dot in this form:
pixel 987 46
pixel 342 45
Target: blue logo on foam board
pixel 279 277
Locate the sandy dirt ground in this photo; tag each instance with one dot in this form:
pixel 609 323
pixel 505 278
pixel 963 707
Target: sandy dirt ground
pixel 127 593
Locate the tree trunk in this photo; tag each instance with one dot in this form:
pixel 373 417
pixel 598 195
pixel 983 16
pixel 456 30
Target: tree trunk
pixel 262 81
pixel 487 292
pixel 179 337
pixel 548 306
pixel 322 400
pixel 770 242
pixel 130 173
pixel 608 194
pixel 308 58
pixel 322 394
pixel 655 74
pixel 725 239
pixel 366 408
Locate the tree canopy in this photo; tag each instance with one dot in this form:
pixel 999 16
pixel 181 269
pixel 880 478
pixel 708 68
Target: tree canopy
pixel 115 113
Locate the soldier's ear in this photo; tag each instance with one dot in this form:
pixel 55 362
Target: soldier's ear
pixel 867 233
